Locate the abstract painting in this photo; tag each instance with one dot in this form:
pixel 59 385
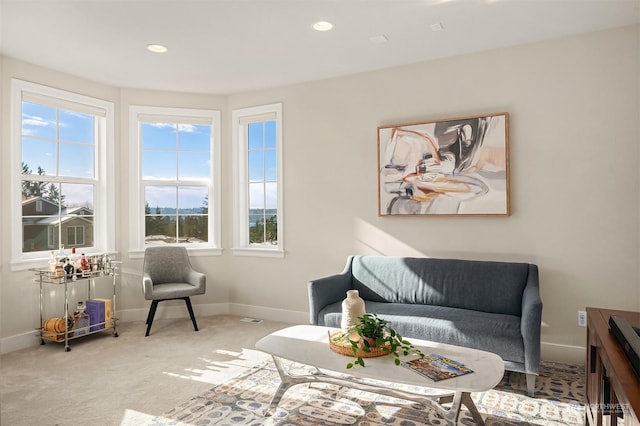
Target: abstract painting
pixel 452 167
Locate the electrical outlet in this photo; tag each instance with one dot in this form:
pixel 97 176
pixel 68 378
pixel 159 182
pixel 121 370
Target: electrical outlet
pixel 582 318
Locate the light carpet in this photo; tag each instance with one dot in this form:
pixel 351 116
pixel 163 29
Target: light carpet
pixel 245 399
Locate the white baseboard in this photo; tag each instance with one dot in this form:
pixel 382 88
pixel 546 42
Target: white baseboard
pixel 19 341
pixel 563 353
pixel 271 314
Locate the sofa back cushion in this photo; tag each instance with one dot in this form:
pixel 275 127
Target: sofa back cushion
pixel 495 287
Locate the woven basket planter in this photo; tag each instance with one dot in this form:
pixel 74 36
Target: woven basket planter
pixel 343 346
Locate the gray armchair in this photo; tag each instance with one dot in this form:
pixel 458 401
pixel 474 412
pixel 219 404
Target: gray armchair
pixel 167 275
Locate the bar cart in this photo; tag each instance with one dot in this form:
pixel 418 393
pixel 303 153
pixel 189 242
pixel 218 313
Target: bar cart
pixel 61 329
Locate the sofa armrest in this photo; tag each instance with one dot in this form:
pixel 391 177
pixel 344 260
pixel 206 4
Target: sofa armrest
pixel 325 291
pixel 531 322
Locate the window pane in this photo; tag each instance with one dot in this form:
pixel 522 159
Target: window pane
pixel 64 208
pixel 76 160
pixel 51 193
pixel 194 137
pixel 161 199
pixel 193 229
pixel 192 199
pixel 256 195
pixel 35 233
pixel 77 216
pixel 158 135
pixel 39 155
pixel 76 127
pixel 194 165
pixel 264 231
pixel 270 134
pixel 255 135
pixel 271 173
pixel 160 229
pixel 78 198
pixel 255 215
pixel 271 195
pixel 39 224
pixel 38 120
pixel 31 189
pixel 256 166
pixel 159 165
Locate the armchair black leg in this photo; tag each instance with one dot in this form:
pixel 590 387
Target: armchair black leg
pixel 154 306
pixel 152 313
pixel 193 317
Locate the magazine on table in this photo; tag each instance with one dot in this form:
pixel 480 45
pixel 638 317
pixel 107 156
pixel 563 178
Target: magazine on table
pixel 437 367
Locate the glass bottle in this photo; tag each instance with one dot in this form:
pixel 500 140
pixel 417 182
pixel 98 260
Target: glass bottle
pixel 61 254
pixel 84 264
pixel 68 268
pixel 81 319
pixel 52 261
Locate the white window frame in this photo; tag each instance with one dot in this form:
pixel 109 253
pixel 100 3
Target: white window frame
pixel 136 213
pixel 104 193
pixel 240 118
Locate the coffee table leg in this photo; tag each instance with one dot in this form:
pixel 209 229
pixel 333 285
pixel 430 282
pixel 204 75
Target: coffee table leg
pixel 471 406
pixel 285 383
pixel 459 399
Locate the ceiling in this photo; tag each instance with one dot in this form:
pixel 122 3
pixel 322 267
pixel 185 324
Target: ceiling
pixel 232 46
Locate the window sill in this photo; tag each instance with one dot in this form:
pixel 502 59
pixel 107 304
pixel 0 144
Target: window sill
pixel 258 252
pixel 195 252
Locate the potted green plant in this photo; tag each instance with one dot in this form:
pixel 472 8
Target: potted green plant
pixel 375 332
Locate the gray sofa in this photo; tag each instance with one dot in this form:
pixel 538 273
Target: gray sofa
pixel 492 306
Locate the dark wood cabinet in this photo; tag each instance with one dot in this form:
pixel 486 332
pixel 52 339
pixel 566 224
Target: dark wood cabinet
pixel 612 387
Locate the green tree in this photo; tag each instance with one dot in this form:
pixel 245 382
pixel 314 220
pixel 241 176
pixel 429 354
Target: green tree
pixel 153 223
pixel 264 231
pixel 32 188
pixel 53 194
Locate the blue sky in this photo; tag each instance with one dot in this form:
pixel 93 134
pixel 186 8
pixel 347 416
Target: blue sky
pixel 75 150
pixel 262 165
pixel 170 151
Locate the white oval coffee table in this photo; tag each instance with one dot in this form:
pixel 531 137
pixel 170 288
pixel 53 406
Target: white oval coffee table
pixel 309 344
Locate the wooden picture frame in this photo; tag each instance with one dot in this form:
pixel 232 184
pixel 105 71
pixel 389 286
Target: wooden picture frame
pixel 449 167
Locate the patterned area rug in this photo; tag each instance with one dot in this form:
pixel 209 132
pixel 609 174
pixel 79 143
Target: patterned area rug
pixel 245 399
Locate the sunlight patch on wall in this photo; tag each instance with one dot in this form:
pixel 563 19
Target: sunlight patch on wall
pixel 373 241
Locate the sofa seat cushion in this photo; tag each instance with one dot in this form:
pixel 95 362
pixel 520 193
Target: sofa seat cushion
pixel 497 333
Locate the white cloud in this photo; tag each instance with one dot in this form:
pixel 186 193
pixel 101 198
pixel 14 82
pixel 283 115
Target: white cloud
pixel 187 128
pixel 34 121
pixel 182 127
pixel 162 125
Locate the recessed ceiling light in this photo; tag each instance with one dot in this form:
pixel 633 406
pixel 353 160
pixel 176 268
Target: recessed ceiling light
pixel 156 48
pixel 322 26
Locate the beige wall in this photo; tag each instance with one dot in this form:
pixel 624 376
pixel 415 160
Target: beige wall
pixel 574 108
